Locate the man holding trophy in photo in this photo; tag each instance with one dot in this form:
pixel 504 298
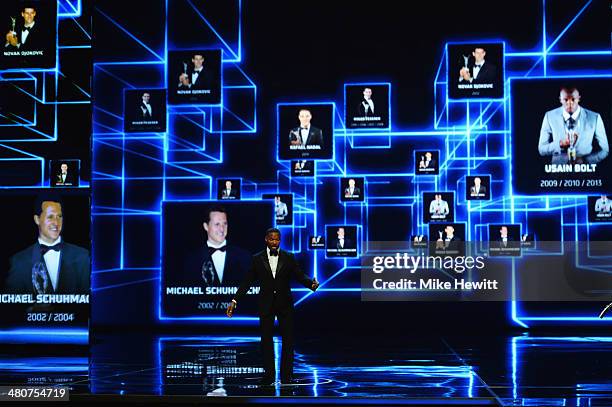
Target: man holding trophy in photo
pixel 571 133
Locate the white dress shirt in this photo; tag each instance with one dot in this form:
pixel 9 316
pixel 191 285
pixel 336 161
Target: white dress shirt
pixel 25 33
pixel 574 116
pixel 148 107
pixel 218 258
pixel 273 260
pixel 304 134
pixel 476 70
pixel 52 261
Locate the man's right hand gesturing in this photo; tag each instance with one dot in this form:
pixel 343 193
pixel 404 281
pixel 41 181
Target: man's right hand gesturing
pixel 230 309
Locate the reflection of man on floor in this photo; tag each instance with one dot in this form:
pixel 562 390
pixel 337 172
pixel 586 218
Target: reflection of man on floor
pixel 571 133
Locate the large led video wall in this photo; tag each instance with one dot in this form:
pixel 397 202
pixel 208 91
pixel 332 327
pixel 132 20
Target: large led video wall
pixel 448 137
pixel 45 165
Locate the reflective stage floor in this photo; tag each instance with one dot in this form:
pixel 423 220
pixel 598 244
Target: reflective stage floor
pixel 460 370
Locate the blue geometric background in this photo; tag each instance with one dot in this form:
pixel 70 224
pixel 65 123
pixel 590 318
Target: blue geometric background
pixel 134 173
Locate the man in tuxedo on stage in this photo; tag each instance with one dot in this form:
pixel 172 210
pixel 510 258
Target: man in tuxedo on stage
pixel 352 191
pixel 218 263
pixel 305 134
pixel 274 269
pixel 29 35
pixel 478 69
pixel 573 133
pixel 64 177
pixel 50 265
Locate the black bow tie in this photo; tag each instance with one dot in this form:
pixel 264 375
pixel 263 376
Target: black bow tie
pixel 212 250
pixel 478 66
pixel 273 252
pixel 44 248
pixel 196 72
pixel 26 28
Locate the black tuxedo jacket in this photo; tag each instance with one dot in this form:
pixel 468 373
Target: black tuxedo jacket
pixel 356 192
pixel 68 182
pixel 432 164
pixel 236 264
pixel 36 38
pixel 487 74
pixel 74 270
pixel 315 136
pixel 453 244
pixel 362 111
pixel 233 193
pixel 273 291
pixel 203 81
pixel 509 243
pixel 481 190
pixel 348 244
pixel 142 113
